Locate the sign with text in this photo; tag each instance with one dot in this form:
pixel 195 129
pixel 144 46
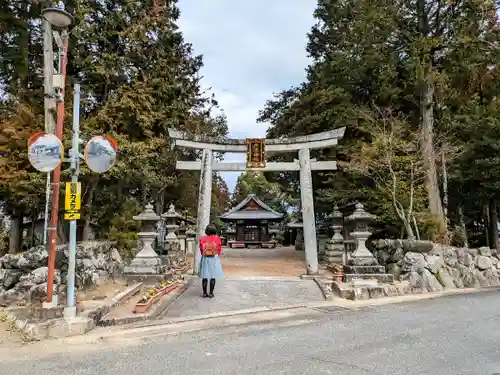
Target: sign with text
pixel 72 215
pixel 72 202
pixel 256 155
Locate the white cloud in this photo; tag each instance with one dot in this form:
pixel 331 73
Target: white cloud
pixel 250 50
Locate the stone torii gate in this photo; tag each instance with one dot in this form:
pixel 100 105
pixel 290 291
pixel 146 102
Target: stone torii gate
pixel 302 144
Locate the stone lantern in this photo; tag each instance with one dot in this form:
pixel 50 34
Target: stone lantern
pixel 334 249
pixel 172 243
pixel 363 268
pixel 361 221
pixel 146 264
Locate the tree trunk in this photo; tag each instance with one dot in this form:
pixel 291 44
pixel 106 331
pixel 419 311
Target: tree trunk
pixel 461 219
pixel 409 229
pixel 427 150
pixel 445 187
pixel 486 211
pixel 493 225
pixel 88 211
pixel 15 232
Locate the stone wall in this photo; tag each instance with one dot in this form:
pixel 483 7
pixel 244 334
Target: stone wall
pixel 23 276
pixel 432 267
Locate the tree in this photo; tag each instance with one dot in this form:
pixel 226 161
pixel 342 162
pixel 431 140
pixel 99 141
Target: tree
pixel 391 161
pixel 139 77
pixel 418 57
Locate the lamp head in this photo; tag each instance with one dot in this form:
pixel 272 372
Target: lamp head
pixel 57 17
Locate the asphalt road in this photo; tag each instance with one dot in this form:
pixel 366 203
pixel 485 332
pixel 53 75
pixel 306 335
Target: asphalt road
pixel 446 336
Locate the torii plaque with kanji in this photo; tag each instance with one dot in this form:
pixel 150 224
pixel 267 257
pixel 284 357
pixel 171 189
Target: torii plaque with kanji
pixel 256 155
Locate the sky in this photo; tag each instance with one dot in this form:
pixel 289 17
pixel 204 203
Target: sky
pixel 251 50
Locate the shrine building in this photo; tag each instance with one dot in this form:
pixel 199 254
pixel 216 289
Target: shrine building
pixel 249 222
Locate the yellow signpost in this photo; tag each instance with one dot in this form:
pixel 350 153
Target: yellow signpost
pixel 72 202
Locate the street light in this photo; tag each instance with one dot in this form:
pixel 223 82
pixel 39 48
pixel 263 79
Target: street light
pixel 57 17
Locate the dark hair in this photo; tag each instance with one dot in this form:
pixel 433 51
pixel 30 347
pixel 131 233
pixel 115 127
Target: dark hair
pixel 211 230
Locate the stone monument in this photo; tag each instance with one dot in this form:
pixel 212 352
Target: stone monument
pixel 334 249
pixel 363 268
pixel 146 265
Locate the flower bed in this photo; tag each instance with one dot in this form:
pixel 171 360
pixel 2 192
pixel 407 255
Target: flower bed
pixel 153 296
pixel 338 272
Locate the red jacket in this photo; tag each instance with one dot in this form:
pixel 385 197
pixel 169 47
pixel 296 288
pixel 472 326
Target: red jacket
pixel 207 239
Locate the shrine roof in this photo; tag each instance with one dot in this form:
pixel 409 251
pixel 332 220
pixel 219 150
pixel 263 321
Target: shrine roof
pixel 251 208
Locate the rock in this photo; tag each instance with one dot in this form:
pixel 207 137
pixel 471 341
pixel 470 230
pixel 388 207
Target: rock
pixel 470 280
pixel 491 276
pixel 444 277
pixel 115 256
pixel 437 249
pixel 11 277
pixel 395 270
pixel 37 293
pixel 494 261
pixel 485 251
pixel 413 262
pixel 383 256
pixel 434 263
pixel 413 246
pixel 397 255
pixel 483 282
pixel 467 260
pixel 460 255
pixel 472 252
pixel 430 282
pixel 3 271
pixel 36 257
pixel 40 275
pixel 12 296
pixel 450 256
pixel 483 262
pixel 415 281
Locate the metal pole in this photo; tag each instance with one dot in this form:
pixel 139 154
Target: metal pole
pixel 49 105
pixel 70 310
pixel 56 184
pixel 47 205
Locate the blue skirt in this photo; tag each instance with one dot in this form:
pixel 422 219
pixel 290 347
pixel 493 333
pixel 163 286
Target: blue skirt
pixel 210 268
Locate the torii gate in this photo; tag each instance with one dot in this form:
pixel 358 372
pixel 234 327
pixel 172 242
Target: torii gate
pixel 302 144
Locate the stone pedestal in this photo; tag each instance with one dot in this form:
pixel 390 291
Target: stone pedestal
pixel 147 265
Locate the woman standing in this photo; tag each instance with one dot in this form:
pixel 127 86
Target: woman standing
pixel 210 266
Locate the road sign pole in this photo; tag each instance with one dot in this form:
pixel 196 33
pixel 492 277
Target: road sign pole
pixel 70 310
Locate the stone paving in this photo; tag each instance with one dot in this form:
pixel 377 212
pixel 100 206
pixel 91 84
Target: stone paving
pixel 281 261
pixel 245 293
pixel 254 278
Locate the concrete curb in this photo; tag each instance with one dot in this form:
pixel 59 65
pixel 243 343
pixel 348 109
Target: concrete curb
pixel 97 314
pixel 156 310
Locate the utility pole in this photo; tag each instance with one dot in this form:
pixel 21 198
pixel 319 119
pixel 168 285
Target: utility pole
pixel 49 105
pixel 61 19
pixel 70 310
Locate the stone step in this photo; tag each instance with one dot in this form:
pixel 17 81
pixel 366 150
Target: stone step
pixel 382 278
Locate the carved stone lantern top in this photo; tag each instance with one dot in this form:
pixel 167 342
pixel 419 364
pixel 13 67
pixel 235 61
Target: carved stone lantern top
pixel 336 217
pixel 360 214
pixel 361 218
pixel 149 218
pixel 171 214
pixel 148 214
pixel 190 233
